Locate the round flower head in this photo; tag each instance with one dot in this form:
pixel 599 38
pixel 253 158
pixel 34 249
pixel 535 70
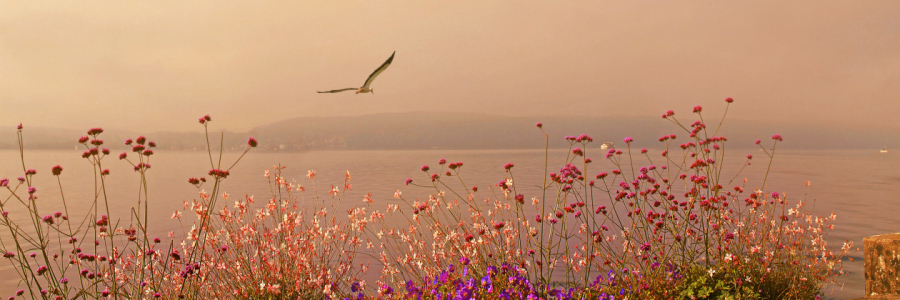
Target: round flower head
pixel 698 109
pixel 57 170
pixel 729 100
pixel 539 125
pixel 252 142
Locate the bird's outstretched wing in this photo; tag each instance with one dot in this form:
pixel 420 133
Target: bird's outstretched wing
pixel 338 91
pixel 379 70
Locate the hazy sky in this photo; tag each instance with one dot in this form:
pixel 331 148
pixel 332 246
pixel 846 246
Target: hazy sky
pixel 159 65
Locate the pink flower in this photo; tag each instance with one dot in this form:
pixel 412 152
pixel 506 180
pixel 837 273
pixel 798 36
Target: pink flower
pixel 19 127
pixel 628 140
pixel 148 152
pixel 539 125
pixel 749 156
pixel 729 100
pixel 508 166
pixel 95 131
pixel 408 181
pixel 57 170
pixel 140 140
pixel 697 109
pixel 151 144
pixel 442 161
pixel 252 142
pixel 758 141
pixel 83 140
pixel 128 142
pixel 123 155
pixel 777 137
pixel 644 150
pixel 425 168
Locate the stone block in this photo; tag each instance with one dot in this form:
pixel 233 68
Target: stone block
pixel 882 264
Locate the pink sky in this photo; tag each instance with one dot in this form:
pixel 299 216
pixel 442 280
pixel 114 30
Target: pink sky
pixel 162 64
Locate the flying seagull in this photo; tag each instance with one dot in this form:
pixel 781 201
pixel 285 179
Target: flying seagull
pixel 365 88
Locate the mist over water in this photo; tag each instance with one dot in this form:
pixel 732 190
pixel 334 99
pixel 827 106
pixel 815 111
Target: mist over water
pixel 860 187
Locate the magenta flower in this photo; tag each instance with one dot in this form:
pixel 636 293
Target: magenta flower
pixel 83 140
pixel 30 172
pixel 32 190
pixel 408 181
pixel 602 175
pixel 153 144
pixel 128 142
pixel 644 150
pixel 252 142
pixel 123 155
pixel 758 141
pixel 207 118
pixel 539 125
pixel 140 140
pixel 697 109
pixel 425 168
pixel 138 148
pixel 777 137
pixel 148 152
pixel 193 181
pixel 729 100
pixel 105 151
pixel 577 151
pixel 508 166
pixel 442 161
pixel 48 219
pixel 96 142
pixel 95 131
pixel 4 182
pixel 57 170
pixel 21 179
pixel 749 156
pixel 628 140
pixel 19 127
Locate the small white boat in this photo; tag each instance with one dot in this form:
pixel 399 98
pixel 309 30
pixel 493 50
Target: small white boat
pixel 884 150
pixel 607 145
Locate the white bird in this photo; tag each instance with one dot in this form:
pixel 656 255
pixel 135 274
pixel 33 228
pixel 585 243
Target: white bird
pixel 365 88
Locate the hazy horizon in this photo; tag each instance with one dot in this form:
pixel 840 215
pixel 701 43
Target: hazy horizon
pixel 161 65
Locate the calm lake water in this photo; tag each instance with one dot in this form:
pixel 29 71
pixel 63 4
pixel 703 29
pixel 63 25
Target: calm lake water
pixel 861 187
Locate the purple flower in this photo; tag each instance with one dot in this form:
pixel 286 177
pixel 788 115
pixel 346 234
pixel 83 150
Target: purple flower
pixel 4 182
pixel 31 190
pixel 628 140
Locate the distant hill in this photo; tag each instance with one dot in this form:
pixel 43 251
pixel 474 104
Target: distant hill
pixel 468 131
